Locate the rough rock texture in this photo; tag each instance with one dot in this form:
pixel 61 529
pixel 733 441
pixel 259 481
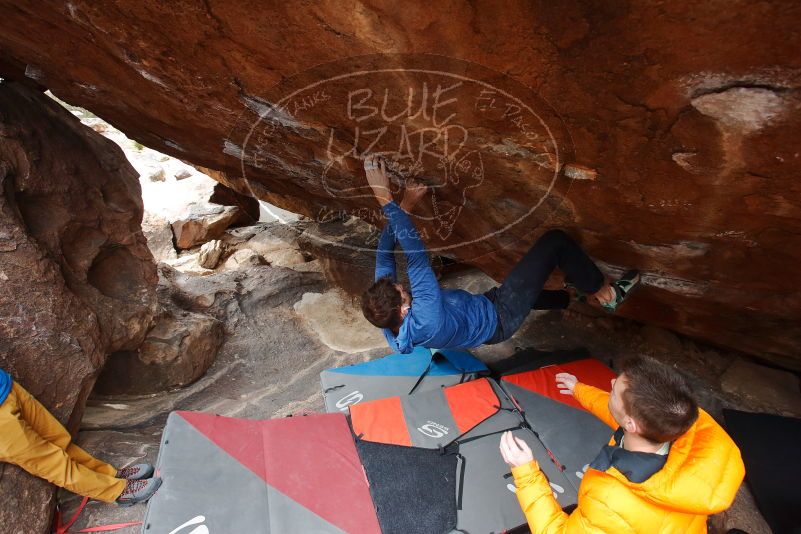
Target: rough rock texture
pixel 243 259
pixel 210 254
pixel 773 390
pixel 203 224
pixel 225 196
pixel 76 278
pixel 268 367
pixel 158 232
pixel 345 249
pixel 278 245
pixel 339 323
pixel 233 295
pixel 688 112
pixel 175 353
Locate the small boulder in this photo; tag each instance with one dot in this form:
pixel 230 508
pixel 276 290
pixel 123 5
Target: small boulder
pixel 210 254
pixel 189 263
pixel 182 174
pixel 202 224
pixel 175 353
pixel 157 176
pixel 285 258
pixel 158 233
pixel 243 259
pixel 278 245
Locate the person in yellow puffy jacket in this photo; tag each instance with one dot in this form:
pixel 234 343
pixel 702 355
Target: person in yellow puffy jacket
pixel 667 467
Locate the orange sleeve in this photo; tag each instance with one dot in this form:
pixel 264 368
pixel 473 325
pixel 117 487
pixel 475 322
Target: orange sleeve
pixel 543 513
pixel 596 402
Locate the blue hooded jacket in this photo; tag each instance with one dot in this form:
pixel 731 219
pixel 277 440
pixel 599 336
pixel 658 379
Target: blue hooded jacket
pixel 438 318
pixel 5 385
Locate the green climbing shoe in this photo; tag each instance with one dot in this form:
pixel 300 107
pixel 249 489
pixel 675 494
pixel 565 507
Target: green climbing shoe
pixel 622 288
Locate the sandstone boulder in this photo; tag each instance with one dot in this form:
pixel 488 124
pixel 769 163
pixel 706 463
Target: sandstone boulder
pixel 203 224
pixel 157 176
pixel 183 174
pixel 210 254
pixel 189 262
pixel 231 295
pixel 77 280
pixel 278 244
pixel 773 390
pixel 175 353
pixel 158 233
pixel 243 259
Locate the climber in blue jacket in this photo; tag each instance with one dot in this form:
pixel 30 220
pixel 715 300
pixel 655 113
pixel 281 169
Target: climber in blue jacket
pixel 453 318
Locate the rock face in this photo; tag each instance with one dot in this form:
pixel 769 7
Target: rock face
pixel 176 352
pixel 203 224
pixel 345 249
pixel 225 196
pixel 338 321
pixel 686 117
pixel 77 280
pixel 278 244
pixel 210 254
pixel 158 232
pixel 773 390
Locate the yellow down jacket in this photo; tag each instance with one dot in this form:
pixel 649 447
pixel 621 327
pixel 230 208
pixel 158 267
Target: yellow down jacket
pixel 700 477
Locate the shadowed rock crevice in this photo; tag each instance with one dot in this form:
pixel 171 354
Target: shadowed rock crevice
pixel 116 273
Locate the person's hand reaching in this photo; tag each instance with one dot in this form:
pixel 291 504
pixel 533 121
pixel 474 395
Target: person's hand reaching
pixel 415 190
pixel 514 450
pixel 566 382
pixel 376 171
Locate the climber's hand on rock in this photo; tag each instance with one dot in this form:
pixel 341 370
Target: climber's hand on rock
pixel 566 382
pixel 415 190
pixel 514 450
pixel 376 171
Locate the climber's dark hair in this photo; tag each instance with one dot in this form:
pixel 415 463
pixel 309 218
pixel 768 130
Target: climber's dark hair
pixel 381 304
pixel 658 398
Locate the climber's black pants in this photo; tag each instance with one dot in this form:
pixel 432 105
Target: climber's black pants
pixel 522 291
